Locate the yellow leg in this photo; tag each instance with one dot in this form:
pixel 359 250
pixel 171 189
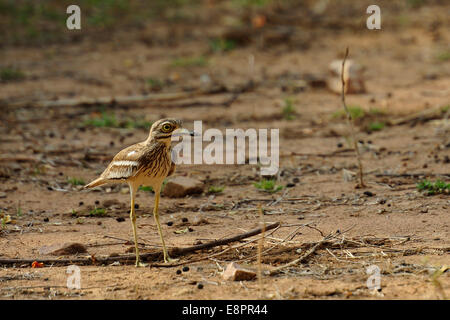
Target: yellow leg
pixel 133 222
pixel 156 215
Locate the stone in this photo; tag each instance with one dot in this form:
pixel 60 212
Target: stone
pixel 353 76
pixel 62 249
pixel 235 272
pixel 178 187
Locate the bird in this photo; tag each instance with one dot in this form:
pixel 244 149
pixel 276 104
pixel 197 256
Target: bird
pixel 145 163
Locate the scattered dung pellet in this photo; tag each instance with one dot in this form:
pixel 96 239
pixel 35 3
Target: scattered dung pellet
pixel 185 269
pixel 170 223
pixel 296 180
pixel 61 174
pixel 50 188
pixel 80 203
pixel 340 145
pixel 200 286
pixel 111 143
pixel 136 206
pixel 120 219
pixel 290 185
pixel 382 201
pixel 99 223
pixel 97 202
pixel 368 193
pixel 178 271
pixel 184 220
pixel 190 229
pixel 46 219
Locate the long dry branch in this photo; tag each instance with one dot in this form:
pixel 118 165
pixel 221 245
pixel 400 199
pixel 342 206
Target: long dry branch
pixel 130 258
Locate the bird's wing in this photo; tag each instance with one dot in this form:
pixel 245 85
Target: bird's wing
pixel 125 164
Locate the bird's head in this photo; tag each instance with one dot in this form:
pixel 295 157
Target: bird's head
pixel 162 129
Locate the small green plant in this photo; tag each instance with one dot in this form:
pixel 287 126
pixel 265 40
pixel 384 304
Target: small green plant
pixel 376 126
pixel 137 124
pixel 154 84
pixel 268 186
pixel 105 120
pixel 432 188
pixel 215 189
pixel 76 181
pixel 146 188
pixel 189 62
pixel 97 212
pixel 288 109
pixel 443 56
pixel 11 74
pixel 356 112
pixel 222 45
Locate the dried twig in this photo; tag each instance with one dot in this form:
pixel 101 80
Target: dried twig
pixel 130 258
pixel 350 123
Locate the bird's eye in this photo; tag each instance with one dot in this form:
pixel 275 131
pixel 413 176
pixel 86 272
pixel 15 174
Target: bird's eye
pixel 166 128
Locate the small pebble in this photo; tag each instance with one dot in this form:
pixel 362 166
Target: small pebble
pixel 200 286
pixel 368 193
pixel 185 269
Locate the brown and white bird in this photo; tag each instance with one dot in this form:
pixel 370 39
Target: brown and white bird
pixel 146 163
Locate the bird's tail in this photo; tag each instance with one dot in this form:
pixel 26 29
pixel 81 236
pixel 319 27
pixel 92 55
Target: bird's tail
pixel 95 183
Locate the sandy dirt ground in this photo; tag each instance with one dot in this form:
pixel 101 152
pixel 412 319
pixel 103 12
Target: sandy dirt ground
pixel 389 224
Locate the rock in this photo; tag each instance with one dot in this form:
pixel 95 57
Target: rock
pixel 353 76
pixel 178 187
pixel 235 272
pixel 63 249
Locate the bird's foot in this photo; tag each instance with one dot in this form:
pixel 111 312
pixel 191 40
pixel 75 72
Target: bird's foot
pixel 168 259
pixel 140 264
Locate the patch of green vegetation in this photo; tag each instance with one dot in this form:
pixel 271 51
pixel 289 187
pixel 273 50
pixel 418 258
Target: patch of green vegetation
pixel 8 74
pixel 251 3
pixel 432 188
pixel 215 189
pixel 97 212
pixel 105 120
pixel 154 83
pixel 136 124
pixel 415 3
pixel 222 45
pixel 268 185
pixel 376 126
pixel 108 120
pixel 288 109
pixel 76 181
pixel 443 56
pixel 189 62
pixel 146 188
pixel 356 112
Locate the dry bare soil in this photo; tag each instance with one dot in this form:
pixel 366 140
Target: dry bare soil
pixel 389 223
